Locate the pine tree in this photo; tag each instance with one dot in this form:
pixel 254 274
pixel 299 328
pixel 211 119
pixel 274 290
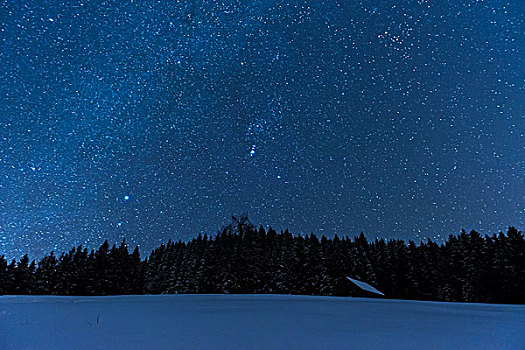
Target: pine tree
pixel 47 275
pixel 101 266
pixel 6 277
pixel 24 276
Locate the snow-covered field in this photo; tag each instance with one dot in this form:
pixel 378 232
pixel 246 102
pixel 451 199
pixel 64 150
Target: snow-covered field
pixel 254 322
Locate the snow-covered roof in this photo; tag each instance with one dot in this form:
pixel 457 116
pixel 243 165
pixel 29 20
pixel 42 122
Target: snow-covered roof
pixel 365 286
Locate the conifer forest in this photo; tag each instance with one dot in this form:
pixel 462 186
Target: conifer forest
pixel 242 258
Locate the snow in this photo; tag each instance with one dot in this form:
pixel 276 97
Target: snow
pixel 254 322
pixel 365 286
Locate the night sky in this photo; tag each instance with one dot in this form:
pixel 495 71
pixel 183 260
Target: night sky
pixel 157 119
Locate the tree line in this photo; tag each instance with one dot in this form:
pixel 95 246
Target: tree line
pixel 241 258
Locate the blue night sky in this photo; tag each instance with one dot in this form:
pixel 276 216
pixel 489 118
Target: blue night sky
pixel 158 119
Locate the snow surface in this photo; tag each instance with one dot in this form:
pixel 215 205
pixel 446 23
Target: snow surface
pixel 364 286
pixel 254 322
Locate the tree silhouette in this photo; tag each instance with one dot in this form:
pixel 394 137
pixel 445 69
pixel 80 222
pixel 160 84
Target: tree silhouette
pixel 244 259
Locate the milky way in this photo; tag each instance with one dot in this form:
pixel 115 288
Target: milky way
pixel 153 120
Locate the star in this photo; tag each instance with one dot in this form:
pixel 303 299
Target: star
pixel 169 119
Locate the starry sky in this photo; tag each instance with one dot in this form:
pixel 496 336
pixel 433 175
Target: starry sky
pixel 160 119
